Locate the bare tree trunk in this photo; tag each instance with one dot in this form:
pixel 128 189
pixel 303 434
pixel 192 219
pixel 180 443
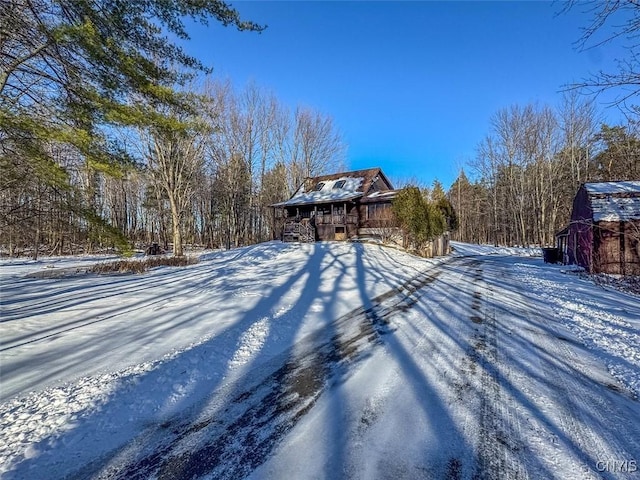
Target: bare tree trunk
pixel 177 230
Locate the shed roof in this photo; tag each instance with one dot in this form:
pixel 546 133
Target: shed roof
pixel 613 188
pixel 614 201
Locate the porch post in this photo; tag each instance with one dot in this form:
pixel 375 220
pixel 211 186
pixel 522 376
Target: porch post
pixel 274 224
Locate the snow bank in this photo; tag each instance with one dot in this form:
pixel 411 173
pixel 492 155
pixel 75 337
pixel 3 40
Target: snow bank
pixel 467 249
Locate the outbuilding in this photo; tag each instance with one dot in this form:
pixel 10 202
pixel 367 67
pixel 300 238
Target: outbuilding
pixel 603 235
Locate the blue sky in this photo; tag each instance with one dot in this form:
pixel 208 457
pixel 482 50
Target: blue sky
pixel 411 85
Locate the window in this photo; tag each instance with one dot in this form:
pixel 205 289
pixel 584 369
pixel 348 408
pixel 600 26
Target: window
pixel 319 186
pixel 378 211
pixel 339 184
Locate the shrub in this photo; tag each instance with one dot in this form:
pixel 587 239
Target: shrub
pixel 421 220
pixel 141 266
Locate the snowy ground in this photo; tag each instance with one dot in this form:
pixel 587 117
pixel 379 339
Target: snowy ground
pixel 330 360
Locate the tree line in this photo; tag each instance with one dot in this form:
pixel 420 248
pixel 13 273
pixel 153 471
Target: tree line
pixel 527 171
pixel 206 179
pixel 107 141
pixel 530 165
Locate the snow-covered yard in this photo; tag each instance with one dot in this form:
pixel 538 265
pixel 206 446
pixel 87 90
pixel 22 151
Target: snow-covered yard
pixel 328 360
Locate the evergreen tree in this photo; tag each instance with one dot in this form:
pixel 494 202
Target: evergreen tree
pixel 444 206
pixel 619 155
pixel 420 218
pixel 74 71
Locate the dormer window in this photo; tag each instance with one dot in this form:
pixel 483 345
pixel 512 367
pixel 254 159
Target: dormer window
pixel 319 186
pixel 339 184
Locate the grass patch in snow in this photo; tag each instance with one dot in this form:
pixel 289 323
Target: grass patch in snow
pixel 629 284
pixel 141 266
pixel 623 283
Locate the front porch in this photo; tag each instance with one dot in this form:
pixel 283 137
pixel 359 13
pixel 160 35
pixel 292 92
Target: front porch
pixel 307 223
pixel 298 231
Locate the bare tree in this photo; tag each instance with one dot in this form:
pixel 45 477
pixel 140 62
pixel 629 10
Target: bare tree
pixel 577 122
pixel 517 164
pixel 317 145
pixel 487 166
pixel 254 138
pixel 174 158
pixel 612 21
pixel 385 225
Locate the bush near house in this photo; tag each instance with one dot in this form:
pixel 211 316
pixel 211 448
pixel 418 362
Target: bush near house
pixel 420 218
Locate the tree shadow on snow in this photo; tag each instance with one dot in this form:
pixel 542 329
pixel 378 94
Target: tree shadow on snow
pixel 222 407
pixel 187 417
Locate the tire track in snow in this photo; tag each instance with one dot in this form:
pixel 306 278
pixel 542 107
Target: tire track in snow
pixel 500 439
pixel 579 408
pixel 543 387
pixel 259 416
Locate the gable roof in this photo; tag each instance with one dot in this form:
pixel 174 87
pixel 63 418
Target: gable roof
pixel 344 186
pixel 613 188
pixel 614 201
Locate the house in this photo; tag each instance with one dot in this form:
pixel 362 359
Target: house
pixel 340 206
pixel 603 235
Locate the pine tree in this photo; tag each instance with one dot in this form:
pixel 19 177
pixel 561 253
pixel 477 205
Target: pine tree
pixel 420 218
pixel 73 72
pixel 444 206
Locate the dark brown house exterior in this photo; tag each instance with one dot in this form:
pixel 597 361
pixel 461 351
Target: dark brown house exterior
pixel 603 235
pixel 340 206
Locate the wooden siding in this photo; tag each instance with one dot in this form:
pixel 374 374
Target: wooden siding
pixel 616 248
pixel 330 220
pixel 580 240
pixel 344 218
pixel 600 247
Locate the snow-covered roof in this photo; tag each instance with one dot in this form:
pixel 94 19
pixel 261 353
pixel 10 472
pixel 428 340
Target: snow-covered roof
pixel 342 186
pixel 380 196
pixel 613 187
pixel 386 194
pixel 615 209
pixel 614 201
pixel 326 191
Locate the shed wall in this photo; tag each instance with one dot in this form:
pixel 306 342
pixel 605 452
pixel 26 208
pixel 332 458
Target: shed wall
pixel 617 248
pixel 580 240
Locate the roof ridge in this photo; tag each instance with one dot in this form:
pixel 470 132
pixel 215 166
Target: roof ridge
pixel 347 173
